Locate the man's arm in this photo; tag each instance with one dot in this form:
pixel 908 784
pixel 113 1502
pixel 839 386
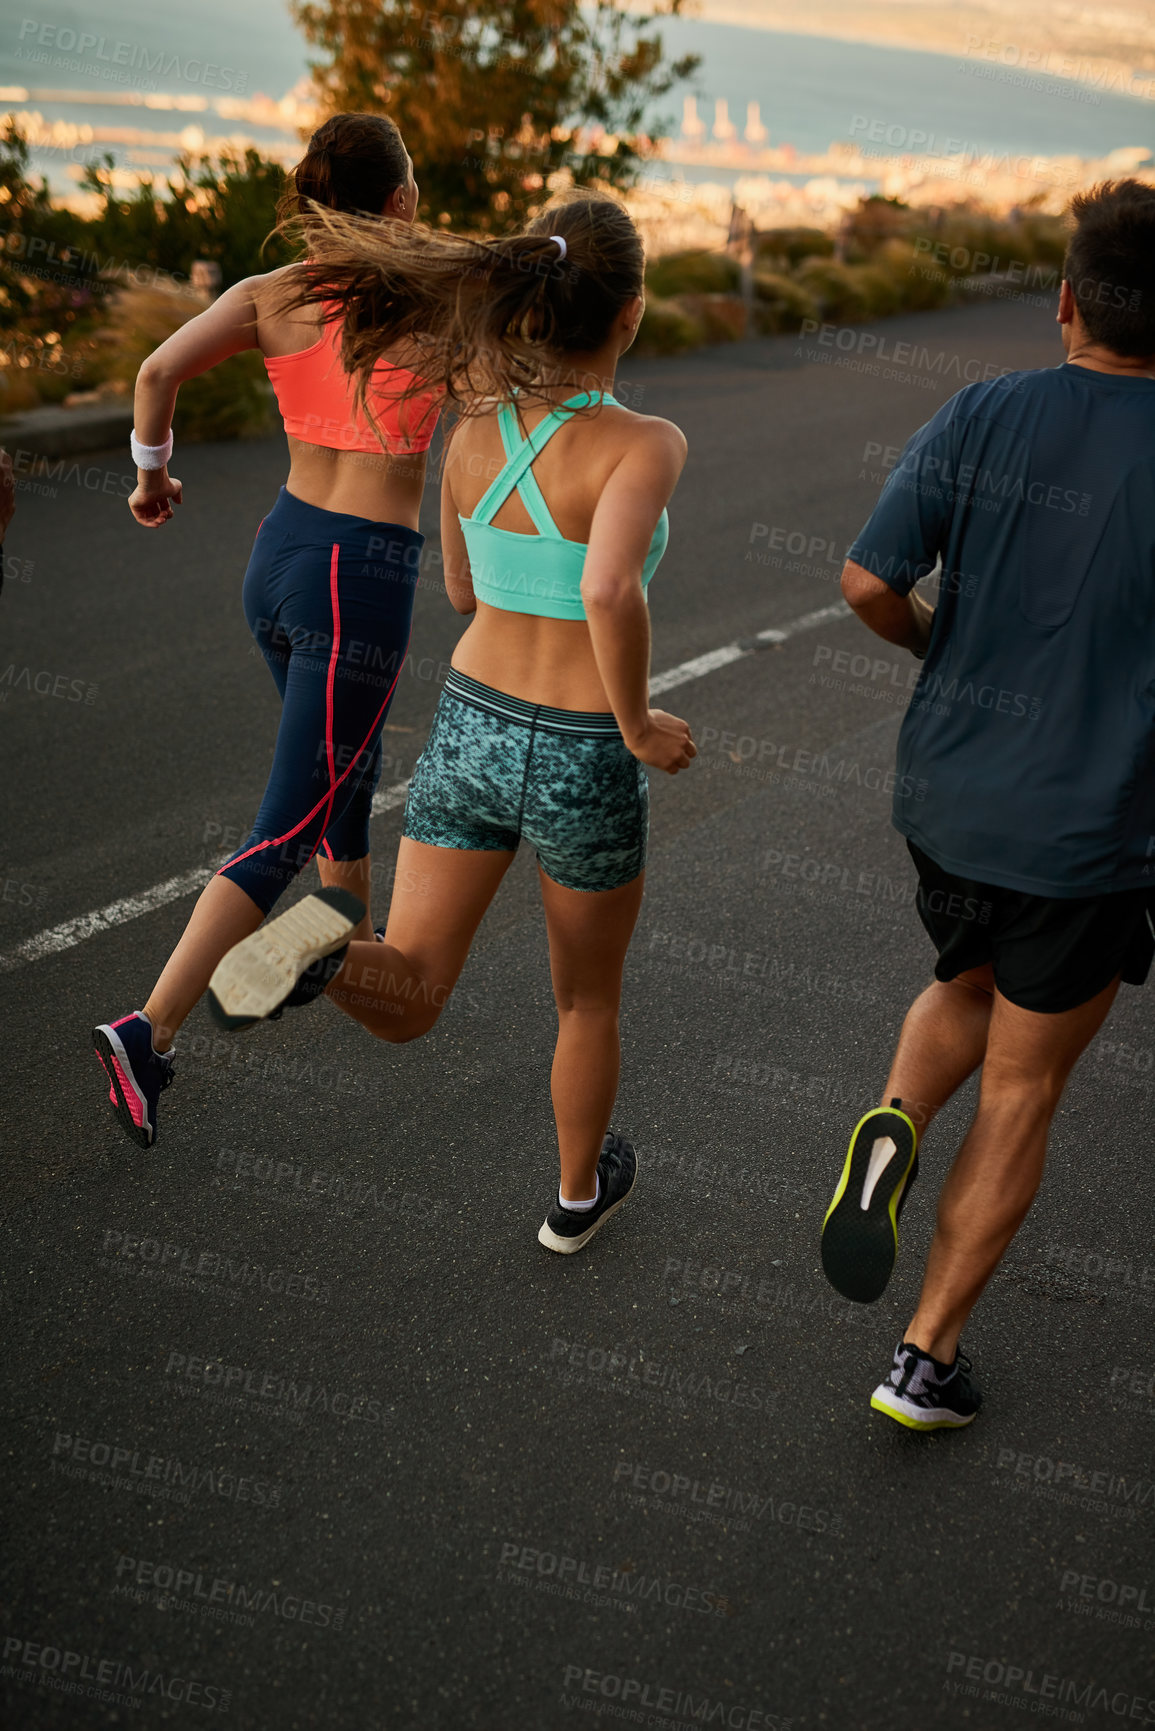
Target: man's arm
pixel 902 619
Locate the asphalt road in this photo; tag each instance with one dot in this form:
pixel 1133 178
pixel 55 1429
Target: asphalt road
pixel 305 1428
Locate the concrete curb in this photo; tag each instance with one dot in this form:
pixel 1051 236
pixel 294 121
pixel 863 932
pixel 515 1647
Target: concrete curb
pixel 57 432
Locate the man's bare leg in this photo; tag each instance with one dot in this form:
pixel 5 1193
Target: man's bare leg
pixel 998 1169
pixel 943 1041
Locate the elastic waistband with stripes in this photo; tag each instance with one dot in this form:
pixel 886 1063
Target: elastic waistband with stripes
pixel 539 715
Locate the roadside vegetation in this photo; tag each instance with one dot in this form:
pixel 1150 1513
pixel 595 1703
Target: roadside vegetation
pixel 83 299
pixel 887 258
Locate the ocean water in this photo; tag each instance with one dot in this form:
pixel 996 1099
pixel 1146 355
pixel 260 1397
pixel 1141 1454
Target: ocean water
pixel 811 90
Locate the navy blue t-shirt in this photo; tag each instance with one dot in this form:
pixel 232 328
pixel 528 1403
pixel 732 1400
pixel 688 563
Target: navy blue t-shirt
pixel 1027 756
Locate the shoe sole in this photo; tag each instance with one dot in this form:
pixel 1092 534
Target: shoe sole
pixel 914 1417
pixel 259 973
pixel 114 1061
pixel 860 1245
pixel 567 1246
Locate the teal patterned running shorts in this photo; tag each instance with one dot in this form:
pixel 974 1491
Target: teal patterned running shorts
pixel 496 768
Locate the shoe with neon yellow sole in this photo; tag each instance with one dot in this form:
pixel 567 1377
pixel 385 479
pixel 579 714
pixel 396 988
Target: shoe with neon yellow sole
pixel 860 1231
pixel 922 1393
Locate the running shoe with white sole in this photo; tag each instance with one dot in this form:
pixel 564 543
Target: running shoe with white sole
pixel 860 1231
pixel 924 1394
pixel 137 1074
pixel 287 961
pixel 567 1229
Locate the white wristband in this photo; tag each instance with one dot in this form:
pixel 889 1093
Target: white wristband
pixel 150 456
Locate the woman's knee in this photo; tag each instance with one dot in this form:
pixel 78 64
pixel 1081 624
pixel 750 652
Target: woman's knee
pixel 575 1001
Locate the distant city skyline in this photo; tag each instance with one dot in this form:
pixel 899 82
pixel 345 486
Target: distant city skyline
pixel 1109 47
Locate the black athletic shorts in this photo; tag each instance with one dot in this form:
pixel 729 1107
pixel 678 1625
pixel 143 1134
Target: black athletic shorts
pixel 1048 954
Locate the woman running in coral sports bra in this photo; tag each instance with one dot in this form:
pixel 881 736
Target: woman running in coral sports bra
pixel 328 593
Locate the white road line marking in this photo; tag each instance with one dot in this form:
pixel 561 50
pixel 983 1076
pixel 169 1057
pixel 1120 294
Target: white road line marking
pixel 387 797
pixel 75 931
pixel 729 652
pixel 695 669
pixel 836 610
pixel 72 932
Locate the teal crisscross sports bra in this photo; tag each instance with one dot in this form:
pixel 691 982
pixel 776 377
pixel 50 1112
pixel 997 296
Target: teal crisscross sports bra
pixel 539 574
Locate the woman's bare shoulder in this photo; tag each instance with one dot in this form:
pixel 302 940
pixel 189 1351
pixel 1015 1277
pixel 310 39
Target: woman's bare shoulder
pixel 653 431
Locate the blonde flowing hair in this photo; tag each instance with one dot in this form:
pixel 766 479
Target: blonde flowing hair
pixel 483 318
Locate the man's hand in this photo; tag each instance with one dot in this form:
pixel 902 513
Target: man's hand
pixel 906 620
pixel 7 493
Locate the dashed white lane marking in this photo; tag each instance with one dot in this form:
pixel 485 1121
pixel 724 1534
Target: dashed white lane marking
pixel 715 658
pixel 387 797
pixel 119 913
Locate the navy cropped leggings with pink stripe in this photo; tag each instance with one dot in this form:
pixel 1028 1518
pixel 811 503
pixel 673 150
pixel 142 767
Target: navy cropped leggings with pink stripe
pixel 329 600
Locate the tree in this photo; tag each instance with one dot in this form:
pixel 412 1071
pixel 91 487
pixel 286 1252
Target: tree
pixel 45 276
pixel 219 208
pixel 493 97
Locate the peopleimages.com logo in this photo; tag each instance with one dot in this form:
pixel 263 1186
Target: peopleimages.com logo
pixel 173 1587
pixel 666 1706
pixel 132 1468
pixel 90 1673
pixel 1015 1685
pixel 125 56
pixel 629 1584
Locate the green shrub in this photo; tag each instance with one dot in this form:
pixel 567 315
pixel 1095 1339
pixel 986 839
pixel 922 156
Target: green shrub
pixel 965 235
pixel 722 317
pixel 667 328
pixel 922 284
pixel 19 390
pixel 218 207
pixel 882 294
pixel 679 273
pixel 780 304
pixel 1044 239
pixel 835 288
pixel 231 401
pixel 873 222
pixel 791 245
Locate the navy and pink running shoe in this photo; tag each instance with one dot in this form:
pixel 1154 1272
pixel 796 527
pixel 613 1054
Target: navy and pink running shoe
pixel 137 1074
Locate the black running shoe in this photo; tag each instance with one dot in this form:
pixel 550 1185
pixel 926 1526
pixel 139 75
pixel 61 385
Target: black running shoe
pixel 137 1075
pixel 860 1231
pixel 288 961
pixel 924 1394
pixel 567 1229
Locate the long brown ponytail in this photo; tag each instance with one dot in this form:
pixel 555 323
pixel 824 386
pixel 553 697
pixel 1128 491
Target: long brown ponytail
pixel 486 316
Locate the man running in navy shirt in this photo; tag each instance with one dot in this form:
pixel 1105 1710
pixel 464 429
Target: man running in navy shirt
pixel 1025 781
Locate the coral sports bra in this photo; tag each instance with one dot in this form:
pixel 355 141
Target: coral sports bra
pixel 539 574
pixel 316 398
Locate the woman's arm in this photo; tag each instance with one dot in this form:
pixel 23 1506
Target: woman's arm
pixel 623 525
pixel 454 553
pixel 223 329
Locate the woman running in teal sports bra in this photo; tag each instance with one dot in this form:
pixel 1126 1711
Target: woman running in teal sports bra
pixel 553 523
